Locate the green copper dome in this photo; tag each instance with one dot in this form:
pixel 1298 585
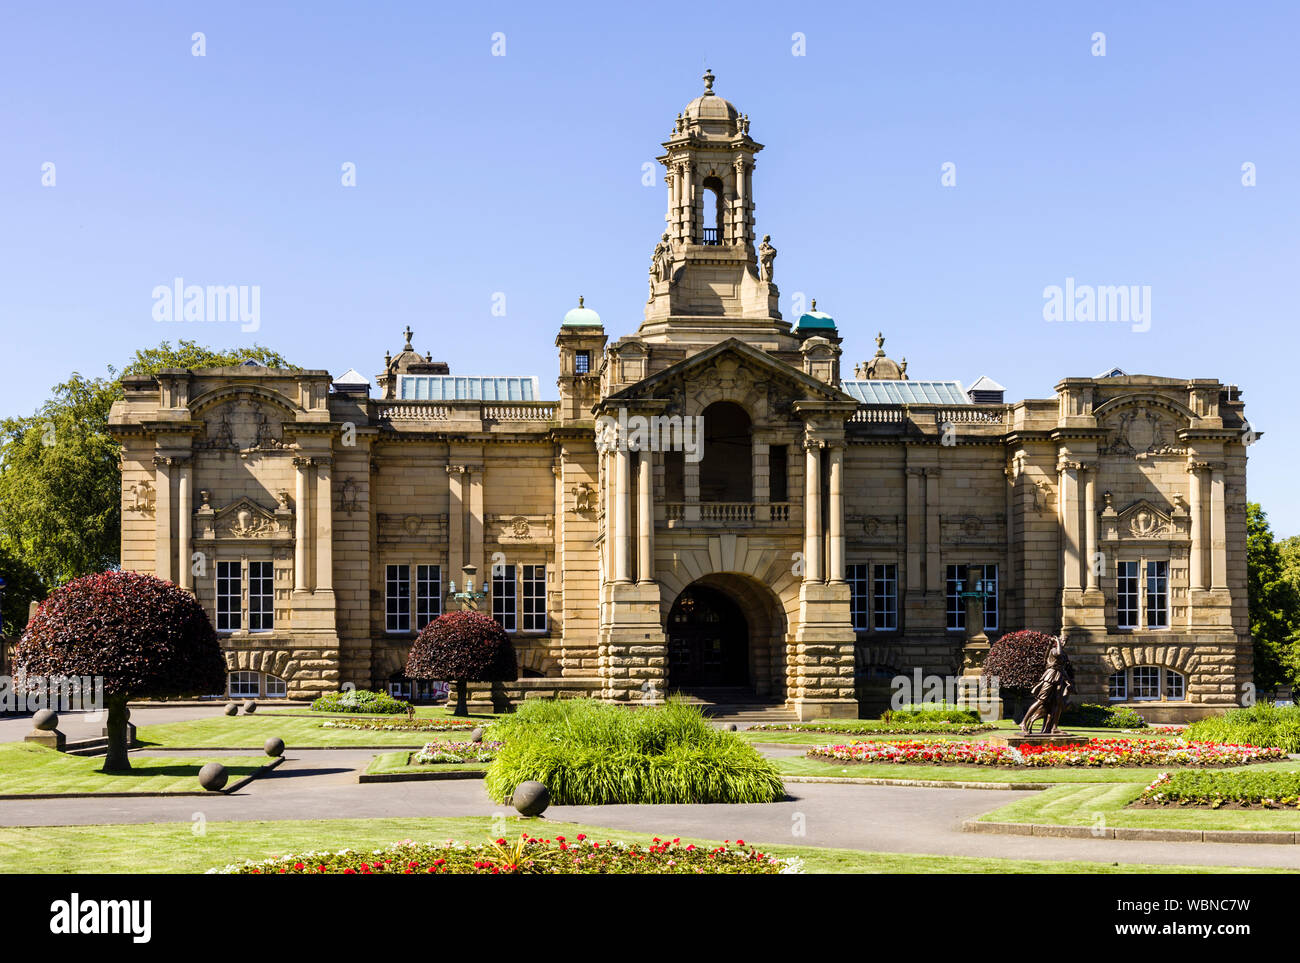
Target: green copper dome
pixel 815 320
pixel 581 317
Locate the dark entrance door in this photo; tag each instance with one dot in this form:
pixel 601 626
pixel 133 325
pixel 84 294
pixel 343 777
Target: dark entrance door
pixel 708 641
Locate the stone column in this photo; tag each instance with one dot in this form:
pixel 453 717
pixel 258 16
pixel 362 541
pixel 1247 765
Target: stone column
pixel 738 207
pixel 1218 531
pixel 623 515
pixel 455 522
pixel 1069 500
pixel 812 513
pixel 835 571
pixel 1196 511
pixel 645 518
pixel 934 580
pixel 163 517
pixel 185 520
pixel 688 205
pixel 300 510
pixel 915 529
pixel 324 527
pixel 1090 525
pixel 474 479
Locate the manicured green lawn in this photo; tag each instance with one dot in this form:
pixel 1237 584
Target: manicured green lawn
pixel 394 762
pixel 176 848
pixel 1106 805
pixel 802 766
pixel 240 732
pixel 25 768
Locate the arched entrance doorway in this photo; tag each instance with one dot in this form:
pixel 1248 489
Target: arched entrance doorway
pixel 708 641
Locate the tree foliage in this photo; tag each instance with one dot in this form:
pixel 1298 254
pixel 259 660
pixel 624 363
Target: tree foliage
pixel 1017 660
pixel 1273 585
pixel 60 487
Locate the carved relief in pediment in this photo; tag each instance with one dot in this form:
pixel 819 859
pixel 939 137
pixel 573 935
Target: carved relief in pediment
pixel 1142 519
pixel 242 425
pixel 1140 431
pixel 244 519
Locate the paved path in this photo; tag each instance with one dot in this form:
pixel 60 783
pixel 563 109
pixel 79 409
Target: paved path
pixel 84 725
pixel 897 819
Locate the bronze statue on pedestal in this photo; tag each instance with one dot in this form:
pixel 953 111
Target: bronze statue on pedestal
pixel 1051 693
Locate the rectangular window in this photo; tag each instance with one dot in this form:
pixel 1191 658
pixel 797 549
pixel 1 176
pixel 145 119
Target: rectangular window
pixel 1157 595
pixel 857 576
pixel 245 685
pixel 534 598
pixel 1126 595
pixel 1175 686
pixel 1145 682
pixel 229 596
pixel 261 596
pixel 1117 687
pixel 503 596
pixel 990 586
pixel 397 595
pixel 955 580
pixel 276 688
pixel 428 594
pixel 885 600
pixel 581 362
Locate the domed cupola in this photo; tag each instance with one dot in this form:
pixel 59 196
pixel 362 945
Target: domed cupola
pixel 815 322
pixel 709 115
pixel 881 368
pixel 581 317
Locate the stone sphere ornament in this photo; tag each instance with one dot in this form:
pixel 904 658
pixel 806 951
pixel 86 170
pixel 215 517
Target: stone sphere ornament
pixel 250 707
pixel 213 777
pixel 274 746
pixel 731 727
pixel 232 709
pixel 45 720
pixel 530 798
pixel 476 734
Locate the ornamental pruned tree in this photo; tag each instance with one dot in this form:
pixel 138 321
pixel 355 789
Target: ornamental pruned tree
pixel 462 647
pixel 143 636
pixel 1016 661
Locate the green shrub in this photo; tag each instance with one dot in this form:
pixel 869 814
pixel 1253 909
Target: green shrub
pixel 1270 789
pixel 1263 724
pixel 1103 717
pixel 588 753
pixel 930 712
pixel 360 700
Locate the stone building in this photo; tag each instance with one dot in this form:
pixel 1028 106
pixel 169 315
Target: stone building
pixel 704 504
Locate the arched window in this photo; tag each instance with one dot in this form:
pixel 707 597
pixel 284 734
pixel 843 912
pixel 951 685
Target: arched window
pixel 727 468
pixel 1147 683
pixel 713 215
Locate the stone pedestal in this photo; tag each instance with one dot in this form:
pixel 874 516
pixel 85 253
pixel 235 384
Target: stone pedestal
pixel 1016 739
pixel 819 672
pixel 633 651
pixel 51 738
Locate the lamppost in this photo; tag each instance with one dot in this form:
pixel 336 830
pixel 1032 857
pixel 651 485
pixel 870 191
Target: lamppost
pixel 469 598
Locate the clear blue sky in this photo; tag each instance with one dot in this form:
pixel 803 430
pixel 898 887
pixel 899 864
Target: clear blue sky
pixel 522 175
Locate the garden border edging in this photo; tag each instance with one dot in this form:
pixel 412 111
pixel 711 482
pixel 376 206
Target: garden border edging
pixel 1240 836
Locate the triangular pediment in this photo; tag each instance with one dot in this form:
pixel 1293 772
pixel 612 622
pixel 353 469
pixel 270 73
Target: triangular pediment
pixel 732 365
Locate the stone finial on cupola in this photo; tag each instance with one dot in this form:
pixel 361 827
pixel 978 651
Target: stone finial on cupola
pixel 406 361
pixel 880 367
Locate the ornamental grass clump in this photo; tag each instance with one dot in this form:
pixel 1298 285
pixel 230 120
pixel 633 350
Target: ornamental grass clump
pixel 361 701
pixel 589 753
pixel 930 712
pixel 1263 724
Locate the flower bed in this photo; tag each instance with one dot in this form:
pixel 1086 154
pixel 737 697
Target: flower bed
pixel 401 725
pixel 360 700
pixel 436 752
pixel 1215 790
pixel 1095 753
pixel 867 726
pixel 527 855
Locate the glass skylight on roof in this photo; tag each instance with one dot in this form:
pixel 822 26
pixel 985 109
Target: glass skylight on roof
pixel 467 388
pixel 906 392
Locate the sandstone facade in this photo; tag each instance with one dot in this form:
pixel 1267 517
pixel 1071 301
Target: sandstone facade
pixel 814 551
